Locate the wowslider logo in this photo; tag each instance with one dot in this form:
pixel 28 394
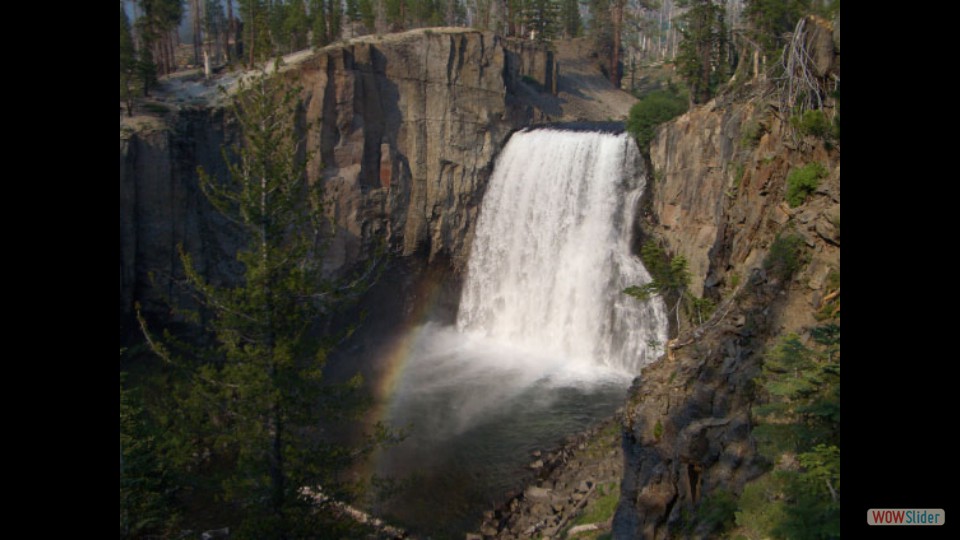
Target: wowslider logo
pixel 901 516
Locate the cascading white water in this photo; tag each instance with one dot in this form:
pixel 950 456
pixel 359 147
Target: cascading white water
pixel 546 341
pixel 551 256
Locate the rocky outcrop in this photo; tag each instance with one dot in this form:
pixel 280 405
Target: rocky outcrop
pixel 720 181
pixel 584 469
pixel 404 133
pixel 537 62
pixel 161 207
pixel 718 199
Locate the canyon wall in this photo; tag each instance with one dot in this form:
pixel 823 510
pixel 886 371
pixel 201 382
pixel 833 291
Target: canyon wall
pixel 404 131
pixel 718 199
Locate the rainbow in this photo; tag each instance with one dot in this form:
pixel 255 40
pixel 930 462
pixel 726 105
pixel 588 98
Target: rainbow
pixel 391 359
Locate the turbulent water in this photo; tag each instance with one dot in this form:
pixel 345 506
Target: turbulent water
pixel 551 255
pixel 545 343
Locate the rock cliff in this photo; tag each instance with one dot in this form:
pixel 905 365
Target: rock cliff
pixel 404 133
pixel 718 199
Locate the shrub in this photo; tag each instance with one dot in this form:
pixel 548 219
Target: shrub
pixel 651 111
pixel 738 172
pixel 716 512
pixel 785 256
pixel 156 108
pixel 802 182
pixel 532 82
pixel 603 508
pixel 750 134
pixel 811 123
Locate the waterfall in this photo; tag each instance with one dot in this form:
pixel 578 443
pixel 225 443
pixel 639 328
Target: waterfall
pixel 551 255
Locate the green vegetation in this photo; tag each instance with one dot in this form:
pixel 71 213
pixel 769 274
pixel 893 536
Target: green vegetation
pixel 658 427
pixel 703 59
pixel 671 279
pixel 128 62
pixel 147 503
pixel 249 418
pixel 651 111
pixel 798 430
pixel 785 257
pixel 156 108
pixel 570 21
pixel 602 508
pixel 714 514
pixel 830 304
pixel 542 19
pixel 813 122
pixel 606 29
pixel 802 182
pixel 750 133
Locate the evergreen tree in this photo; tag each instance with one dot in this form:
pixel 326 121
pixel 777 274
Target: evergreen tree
pixel 616 20
pixel 256 30
pixel 128 62
pixel 197 29
pixel 606 25
pixel 353 10
pixel 296 25
pixel 215 25
pixel 368 14
pixel 570 21
pixel 703 56
pixel 769 20
pixel 396 14
pixel 276 21
pixel 146 491
pixel 456 14
pixel 157 28
pixel 513 14
pixel 799 430
pixel 259 408
pixel 541 17
pixel 318 23
pixel 334 20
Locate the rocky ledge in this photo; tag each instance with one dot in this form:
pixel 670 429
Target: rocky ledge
pixel 575 490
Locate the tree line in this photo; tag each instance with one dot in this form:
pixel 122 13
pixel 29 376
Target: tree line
pixel 236 421
pixel 706 39
pixel 250 31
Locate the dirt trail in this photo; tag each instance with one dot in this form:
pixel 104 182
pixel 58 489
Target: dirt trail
pixel 584 92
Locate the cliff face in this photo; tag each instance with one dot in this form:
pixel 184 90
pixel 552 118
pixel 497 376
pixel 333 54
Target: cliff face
pixel 404 133
pixel 719 192
pixel 161 206
pixel 718 199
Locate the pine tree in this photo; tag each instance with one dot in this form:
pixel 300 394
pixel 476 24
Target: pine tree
pixel 297 25
pixel 197 24
pixel 570 20
pixel 603 32
pixel 703 56
pixel 798 428
pixel 146 490
pixel 256 30
pixel 318 23
pixel 396 12
pixel 128 62
pixel 157 28
pixel 260 407
pixel 334 20
pixel 216 27
pixel 368 14
pixel 541 17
